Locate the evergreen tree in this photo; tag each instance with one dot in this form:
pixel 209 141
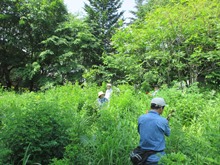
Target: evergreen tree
pixel 142 7
pixel 138 14
pixel 103 17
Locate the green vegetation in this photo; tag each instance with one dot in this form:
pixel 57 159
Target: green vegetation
pixel 43 48
pixel 63 126
pixel 178 41
pixel 103 18
pixel 42 45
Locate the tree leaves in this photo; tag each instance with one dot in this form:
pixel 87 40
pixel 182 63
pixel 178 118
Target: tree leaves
pixel 169 38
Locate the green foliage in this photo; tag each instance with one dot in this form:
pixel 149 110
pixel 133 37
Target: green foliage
pixel 64 126
pixel 176 41
pixel 42 46
pixel 76 55
pixel 36 124
pixel 145 6
pixel 24 26
pixel 103 18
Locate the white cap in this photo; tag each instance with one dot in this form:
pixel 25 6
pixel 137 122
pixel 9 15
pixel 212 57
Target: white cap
pixel 158 101
pixel 109 85
pixel 100 93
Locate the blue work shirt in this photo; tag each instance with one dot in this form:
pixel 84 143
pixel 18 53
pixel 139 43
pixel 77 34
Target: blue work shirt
pixel 152 127
pixel 102 101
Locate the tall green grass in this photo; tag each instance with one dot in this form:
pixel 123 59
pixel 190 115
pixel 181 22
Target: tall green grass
pixel 64 126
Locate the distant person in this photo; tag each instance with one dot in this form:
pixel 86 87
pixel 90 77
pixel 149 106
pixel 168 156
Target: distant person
pixel 156 90
pixel 101 98
pixel 108 91
pixel 152 129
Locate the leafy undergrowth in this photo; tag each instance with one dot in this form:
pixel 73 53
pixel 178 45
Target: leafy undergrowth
pixel 64 126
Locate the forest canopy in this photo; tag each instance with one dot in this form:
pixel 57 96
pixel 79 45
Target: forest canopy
pixel 42 45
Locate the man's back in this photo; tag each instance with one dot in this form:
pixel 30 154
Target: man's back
pixel 152 128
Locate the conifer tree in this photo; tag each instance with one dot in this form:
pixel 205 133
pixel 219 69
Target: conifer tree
pixel 103 17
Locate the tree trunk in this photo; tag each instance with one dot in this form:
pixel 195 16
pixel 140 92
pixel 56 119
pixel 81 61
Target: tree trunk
pixel 6 74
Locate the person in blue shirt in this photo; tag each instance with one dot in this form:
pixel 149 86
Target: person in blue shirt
pixel 153 128
pixel 101 99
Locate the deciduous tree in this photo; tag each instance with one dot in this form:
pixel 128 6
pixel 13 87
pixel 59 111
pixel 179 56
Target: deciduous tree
pixel 24 25
pixel 178 41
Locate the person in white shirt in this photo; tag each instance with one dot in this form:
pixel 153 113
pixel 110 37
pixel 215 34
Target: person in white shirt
pixel 108 91
pixel 156 89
